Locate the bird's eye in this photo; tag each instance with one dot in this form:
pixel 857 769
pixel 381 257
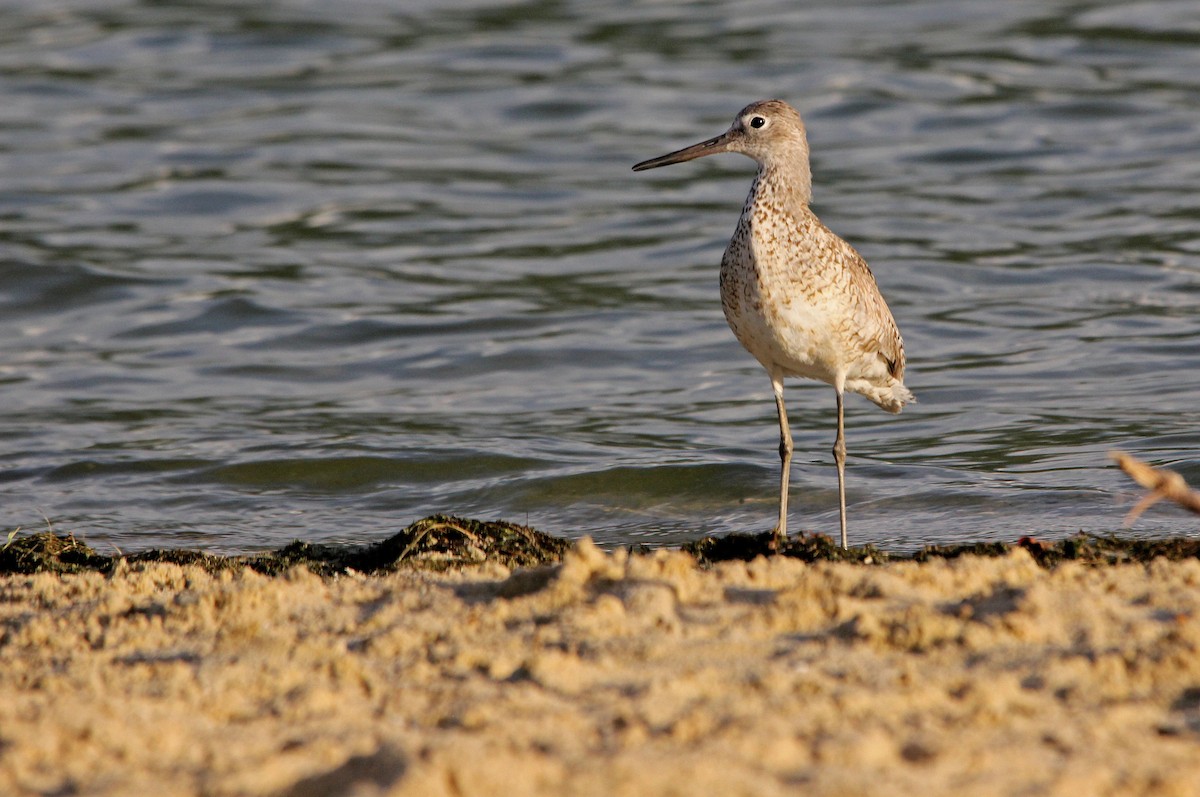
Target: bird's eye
pixel 757 122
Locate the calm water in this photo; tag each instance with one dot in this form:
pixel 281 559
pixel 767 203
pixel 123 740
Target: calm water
pixel 276 270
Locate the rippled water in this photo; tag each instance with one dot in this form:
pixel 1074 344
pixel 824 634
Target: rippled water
pixel 315 270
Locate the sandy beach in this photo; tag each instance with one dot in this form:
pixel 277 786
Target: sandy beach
pixel 607 674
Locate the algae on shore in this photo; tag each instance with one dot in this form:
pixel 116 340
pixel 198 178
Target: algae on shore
pixel 444 542
pixel 435 543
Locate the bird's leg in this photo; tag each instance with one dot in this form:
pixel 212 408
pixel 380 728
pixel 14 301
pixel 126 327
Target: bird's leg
pixel 839 456
pixel 785 459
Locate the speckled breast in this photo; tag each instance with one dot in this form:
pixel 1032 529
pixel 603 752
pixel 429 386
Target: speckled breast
pixel 770 315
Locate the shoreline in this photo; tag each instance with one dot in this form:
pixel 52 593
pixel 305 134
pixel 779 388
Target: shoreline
pixel 443 542
pixel 1063 669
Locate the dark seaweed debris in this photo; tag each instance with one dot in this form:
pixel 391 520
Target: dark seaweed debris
pixel 436 543
pixel 48 551
pixel 1085 548
pixel 806 547
pixel 444 542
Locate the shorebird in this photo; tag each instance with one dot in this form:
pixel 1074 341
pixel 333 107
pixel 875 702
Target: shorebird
pixel 797 296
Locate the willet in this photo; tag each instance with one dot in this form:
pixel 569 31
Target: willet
pixel 797 296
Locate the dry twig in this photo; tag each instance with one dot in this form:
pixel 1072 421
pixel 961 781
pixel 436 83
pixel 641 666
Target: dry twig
pixel 1161 483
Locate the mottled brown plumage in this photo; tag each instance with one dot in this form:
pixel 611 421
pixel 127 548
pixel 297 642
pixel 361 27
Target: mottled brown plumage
pixel 797 296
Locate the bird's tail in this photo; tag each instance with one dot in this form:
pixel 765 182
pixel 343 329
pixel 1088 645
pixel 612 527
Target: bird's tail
pixel 891 396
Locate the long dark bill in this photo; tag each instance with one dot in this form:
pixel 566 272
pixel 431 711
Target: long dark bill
pixel 710 147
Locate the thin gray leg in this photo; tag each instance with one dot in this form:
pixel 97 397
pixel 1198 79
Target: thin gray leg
pixel 839 456
pixel 785 457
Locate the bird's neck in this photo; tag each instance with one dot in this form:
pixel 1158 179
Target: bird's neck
pixel 787 186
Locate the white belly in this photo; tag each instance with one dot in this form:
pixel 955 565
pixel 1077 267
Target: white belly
pixel 791 339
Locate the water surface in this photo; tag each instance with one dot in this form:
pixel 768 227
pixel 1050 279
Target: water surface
pixel 311 270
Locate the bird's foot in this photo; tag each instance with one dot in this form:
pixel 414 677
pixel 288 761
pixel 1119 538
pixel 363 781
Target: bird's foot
pixel 778 540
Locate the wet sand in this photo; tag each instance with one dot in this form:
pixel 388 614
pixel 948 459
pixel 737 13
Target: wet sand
pixel 609 674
